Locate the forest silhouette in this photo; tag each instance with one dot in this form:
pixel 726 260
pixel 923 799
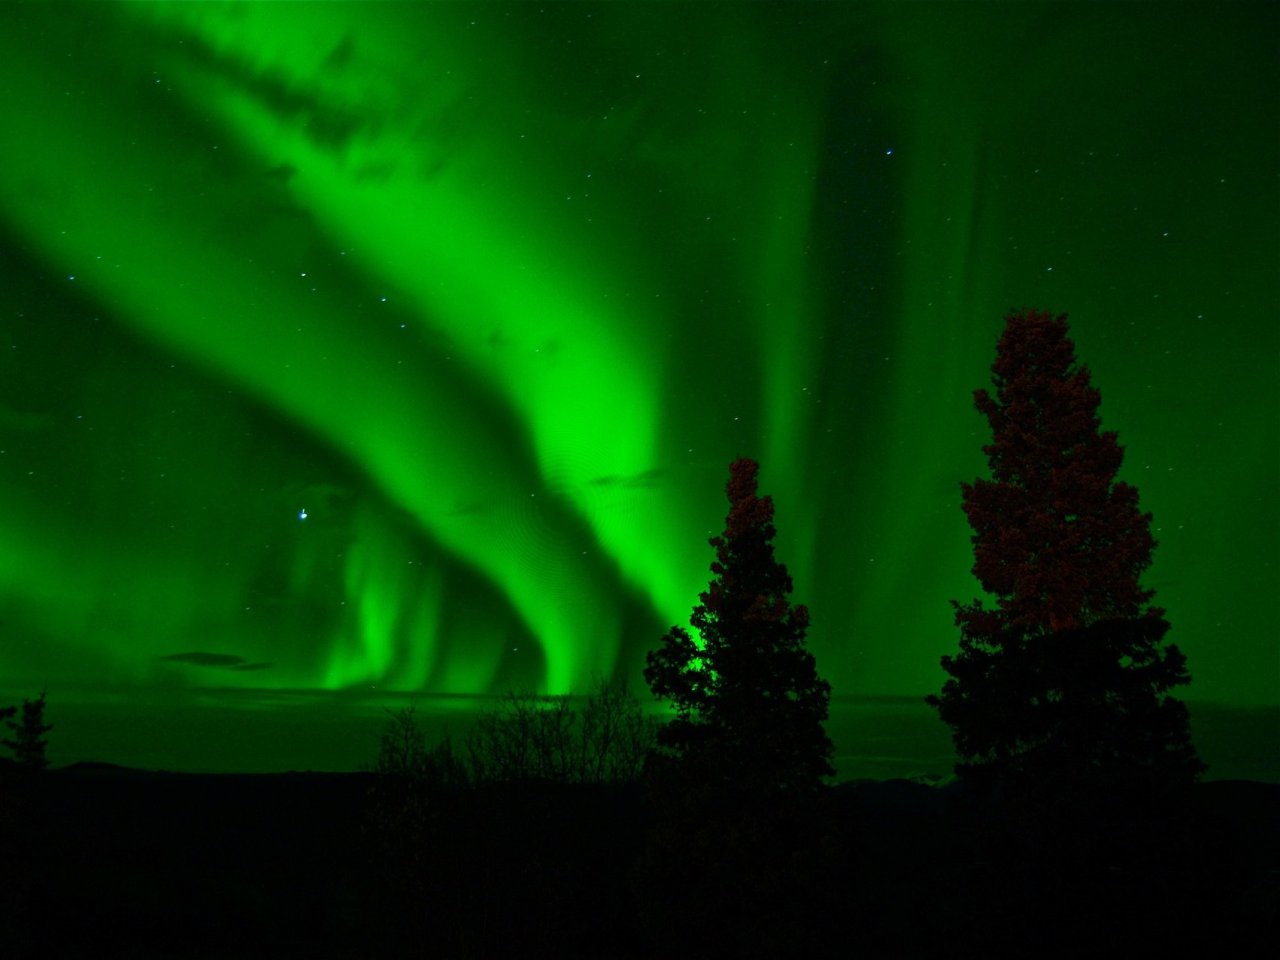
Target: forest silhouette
pixel 584 827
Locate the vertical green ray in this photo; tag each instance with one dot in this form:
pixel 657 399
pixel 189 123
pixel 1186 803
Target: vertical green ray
pixel 950 293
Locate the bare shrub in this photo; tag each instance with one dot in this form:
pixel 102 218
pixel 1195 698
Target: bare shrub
pixel 549 738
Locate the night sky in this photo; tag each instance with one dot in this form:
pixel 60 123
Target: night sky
pixel 385 347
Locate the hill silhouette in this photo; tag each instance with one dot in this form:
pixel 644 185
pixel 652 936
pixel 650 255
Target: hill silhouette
pixel 154 864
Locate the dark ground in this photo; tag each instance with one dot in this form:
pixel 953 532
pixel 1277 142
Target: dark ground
pixel 102 862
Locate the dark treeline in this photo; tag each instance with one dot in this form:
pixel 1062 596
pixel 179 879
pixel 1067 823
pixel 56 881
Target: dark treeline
pixel 100 862
pixel 1076 823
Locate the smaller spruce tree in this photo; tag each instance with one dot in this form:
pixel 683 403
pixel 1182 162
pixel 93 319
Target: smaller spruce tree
pixel 750 706
pixel 733 857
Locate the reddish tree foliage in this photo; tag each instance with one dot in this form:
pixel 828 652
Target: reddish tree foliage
pixel 747 692
pixel 1067 676
pixel 1057 539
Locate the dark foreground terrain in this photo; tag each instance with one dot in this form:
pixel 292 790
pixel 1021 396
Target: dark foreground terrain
pixel 101 862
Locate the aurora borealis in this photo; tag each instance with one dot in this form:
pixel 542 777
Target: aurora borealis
pixel 404 347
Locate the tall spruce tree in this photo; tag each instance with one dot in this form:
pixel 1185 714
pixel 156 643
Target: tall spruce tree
pixel 1067 676
pixel 750 706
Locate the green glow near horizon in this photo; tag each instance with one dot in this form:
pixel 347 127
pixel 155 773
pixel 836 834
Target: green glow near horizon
pixel 496 293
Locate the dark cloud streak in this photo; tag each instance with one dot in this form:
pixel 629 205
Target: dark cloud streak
pixel 228 661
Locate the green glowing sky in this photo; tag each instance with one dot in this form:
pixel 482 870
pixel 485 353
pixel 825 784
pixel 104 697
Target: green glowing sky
pixel 406 346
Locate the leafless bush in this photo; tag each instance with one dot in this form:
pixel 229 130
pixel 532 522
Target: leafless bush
pixel 531 737
pixel 404 755
pixel 601 739
pixel 615 735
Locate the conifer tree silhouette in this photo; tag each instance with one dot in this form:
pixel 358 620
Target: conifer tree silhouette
pixel 749 702
pixel 736 845
pixel 29 741
pixel 1066 676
